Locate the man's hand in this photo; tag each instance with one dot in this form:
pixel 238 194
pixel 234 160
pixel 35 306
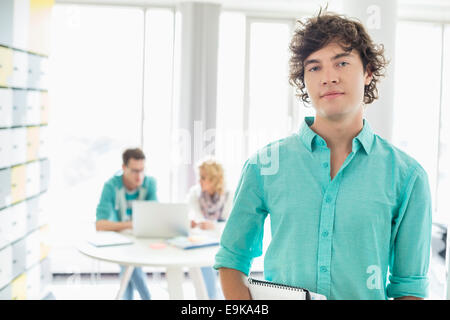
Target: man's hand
pixel 206 225
pixel 105 225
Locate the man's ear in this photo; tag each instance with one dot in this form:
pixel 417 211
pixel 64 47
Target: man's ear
pixel 368 76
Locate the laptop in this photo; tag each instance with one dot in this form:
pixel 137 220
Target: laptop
pixel 153 219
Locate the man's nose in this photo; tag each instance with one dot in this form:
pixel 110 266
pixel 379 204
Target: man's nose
pixel 330 76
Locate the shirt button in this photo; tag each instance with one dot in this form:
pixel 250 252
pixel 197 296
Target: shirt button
pixel 323 269
pixel 328 199
pixel 325 234
pixel 325 164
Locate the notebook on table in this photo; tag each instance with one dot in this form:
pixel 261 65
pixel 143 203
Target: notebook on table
pixel 108 238
pixel 266 290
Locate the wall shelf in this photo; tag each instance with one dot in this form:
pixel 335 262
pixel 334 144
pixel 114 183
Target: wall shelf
pixel 24 164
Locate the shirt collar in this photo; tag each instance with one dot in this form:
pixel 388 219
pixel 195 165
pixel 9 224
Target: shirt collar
pixel 311 139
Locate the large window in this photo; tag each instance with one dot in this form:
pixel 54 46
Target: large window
pixel 96 110
pixel 439 272
pixel 230 95
pixel 269 94
pixel 443 186
pixel 255 103
pixel 105 98
pixel 421 120
pixel 158 97
pixel 417 94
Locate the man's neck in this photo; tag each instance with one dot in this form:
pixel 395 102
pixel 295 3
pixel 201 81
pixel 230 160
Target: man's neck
pixel 338 134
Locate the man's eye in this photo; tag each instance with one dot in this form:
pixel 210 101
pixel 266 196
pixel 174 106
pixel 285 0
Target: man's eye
pixel 343 63
pixel 313 69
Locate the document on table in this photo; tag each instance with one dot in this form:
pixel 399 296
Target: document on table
pixel 193 241
pixel 108 238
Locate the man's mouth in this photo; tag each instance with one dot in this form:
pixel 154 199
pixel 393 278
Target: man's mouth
pixel 332 94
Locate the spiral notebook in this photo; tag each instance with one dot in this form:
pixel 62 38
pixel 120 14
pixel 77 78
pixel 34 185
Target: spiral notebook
pixel 266 290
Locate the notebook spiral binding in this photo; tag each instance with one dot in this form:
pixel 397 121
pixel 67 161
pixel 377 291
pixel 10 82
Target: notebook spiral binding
pixel 279 286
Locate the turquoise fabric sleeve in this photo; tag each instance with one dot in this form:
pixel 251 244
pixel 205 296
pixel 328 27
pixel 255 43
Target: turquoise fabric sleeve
pixel 241 240
pixel 409 261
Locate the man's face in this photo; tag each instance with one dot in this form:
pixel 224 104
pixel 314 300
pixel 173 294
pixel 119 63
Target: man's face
pixel 335 81
pixel 134 172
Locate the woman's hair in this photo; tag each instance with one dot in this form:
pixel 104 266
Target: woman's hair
pixel 323 29
pixel 214 172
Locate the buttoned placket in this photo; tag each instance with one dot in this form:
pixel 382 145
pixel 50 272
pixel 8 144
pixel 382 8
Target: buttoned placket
pixel 327 217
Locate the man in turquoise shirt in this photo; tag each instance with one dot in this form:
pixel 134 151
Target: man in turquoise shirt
pixel 350 213
pixel 114 209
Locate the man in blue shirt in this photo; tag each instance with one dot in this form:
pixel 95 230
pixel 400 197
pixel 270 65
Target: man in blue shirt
pixel 350 213
pixel 114 209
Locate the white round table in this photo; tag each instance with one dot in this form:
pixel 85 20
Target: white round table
pixel 141 254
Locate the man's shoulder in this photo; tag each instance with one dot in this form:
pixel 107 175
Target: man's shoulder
pixel 285 142
pixel 278 146
pixel 115 181
pixel 149 182
pixel 111 186
pixel 396 155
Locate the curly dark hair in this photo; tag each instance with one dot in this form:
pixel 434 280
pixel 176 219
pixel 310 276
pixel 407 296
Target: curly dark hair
pixel 325 28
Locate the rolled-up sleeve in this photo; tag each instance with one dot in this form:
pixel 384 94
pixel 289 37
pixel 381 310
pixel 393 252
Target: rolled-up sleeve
pixel 410 254
pixel 242 237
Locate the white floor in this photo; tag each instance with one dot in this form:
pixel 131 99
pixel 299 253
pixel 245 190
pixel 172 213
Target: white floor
pixel 105 287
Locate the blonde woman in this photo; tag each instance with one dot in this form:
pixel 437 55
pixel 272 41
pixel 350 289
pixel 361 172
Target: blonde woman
pixel 210 203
